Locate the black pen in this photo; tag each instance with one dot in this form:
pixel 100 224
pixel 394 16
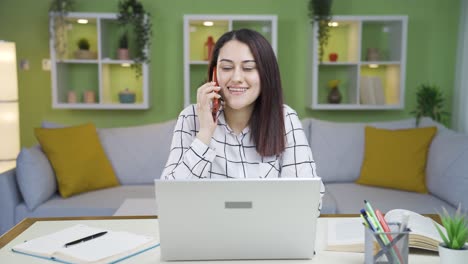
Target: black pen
pixel 93 236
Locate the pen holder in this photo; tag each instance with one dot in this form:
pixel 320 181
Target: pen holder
pixel 386 247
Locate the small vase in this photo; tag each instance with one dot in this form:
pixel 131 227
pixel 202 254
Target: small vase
pixel 123 54
pixel 333 56
pixel 373 54
pixel 89 97
pixel 334 96
pixel 452 256
pixel 71 98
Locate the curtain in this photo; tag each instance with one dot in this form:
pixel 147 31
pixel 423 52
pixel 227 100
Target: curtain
pixel 460 99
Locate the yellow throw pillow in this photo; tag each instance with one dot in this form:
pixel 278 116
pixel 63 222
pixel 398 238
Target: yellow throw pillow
pixel 396 158
pixel 78 159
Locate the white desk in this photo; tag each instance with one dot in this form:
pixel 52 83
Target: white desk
pixel 150 226
pixel 142 206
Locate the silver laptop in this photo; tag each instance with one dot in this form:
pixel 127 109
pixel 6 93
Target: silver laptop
pixel 237 218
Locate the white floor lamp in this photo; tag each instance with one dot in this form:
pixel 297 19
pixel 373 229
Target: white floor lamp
pixel 9 114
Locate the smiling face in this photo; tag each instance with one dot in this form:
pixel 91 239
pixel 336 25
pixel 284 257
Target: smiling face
pixel 238 76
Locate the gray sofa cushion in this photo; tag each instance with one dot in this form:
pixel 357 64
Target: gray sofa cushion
pixel 35 176
pixel 138 154
pixel 338 147
pixel 95 203
pixel 447 168
pixel 350 199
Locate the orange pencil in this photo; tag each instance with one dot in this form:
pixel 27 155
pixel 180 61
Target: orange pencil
pixel 386 229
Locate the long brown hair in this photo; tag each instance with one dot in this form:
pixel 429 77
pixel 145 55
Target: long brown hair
pixel 267 120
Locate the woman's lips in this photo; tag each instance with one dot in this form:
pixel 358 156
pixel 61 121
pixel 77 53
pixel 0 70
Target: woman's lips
pixel 237 90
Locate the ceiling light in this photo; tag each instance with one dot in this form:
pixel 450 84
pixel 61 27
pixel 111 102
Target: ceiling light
pixel 208 23
pixel 82 21
pixel 333 24
pixel 373 66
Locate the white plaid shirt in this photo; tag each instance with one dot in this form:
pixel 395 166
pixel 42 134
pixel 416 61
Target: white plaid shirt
pixel 234 156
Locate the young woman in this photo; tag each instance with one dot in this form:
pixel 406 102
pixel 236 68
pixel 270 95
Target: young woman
pixel 253 135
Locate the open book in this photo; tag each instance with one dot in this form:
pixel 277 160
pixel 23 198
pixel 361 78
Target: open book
pixel 111 247
pixel 348 234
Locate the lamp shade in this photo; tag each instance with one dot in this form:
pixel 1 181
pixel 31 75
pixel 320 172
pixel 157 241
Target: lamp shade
pixel 8 76
pixel 9 114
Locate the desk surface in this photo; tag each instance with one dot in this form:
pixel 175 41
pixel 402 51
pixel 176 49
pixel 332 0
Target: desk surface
pixel 34 227
pixel 142 206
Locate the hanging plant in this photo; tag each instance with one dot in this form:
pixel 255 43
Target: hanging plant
pixel 133 15
pixel 59 9
pixel 430 102
pixel 320 12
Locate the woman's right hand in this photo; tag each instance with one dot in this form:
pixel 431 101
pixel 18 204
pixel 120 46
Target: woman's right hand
pixel 205 95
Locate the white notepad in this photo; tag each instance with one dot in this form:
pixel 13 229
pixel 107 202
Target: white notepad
pixel 110 247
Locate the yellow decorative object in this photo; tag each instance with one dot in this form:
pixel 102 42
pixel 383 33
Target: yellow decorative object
pixel 396 158
pixel 78 159
pixel 333 83
pixel 334 95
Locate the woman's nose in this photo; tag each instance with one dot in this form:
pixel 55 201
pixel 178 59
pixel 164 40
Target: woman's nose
pixel 237 75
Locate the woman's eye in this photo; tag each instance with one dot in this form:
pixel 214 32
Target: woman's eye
pixel 226 68
pixel 249 69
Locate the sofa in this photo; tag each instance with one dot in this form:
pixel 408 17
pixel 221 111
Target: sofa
pixel 138 155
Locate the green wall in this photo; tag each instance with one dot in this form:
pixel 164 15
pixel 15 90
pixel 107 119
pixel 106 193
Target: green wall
pixel 432 39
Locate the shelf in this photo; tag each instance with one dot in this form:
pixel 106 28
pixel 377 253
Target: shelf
pixel 97 74
pixel 196 35
pixel 355 107
pixel 329 63
pixel 100 106
pixel 367 54
pixel 109 61
pixel 76 61
pixel 199 62
pixel 380 63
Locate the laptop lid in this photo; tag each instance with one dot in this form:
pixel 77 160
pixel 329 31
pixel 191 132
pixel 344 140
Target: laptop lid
pixel 237 218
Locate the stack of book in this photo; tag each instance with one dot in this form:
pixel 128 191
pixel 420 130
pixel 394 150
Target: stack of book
pixel 371 91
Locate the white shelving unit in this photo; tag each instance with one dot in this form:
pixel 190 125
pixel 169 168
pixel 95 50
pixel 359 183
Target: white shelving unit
pixel 195 35
pixel 105 75
pixel 371 63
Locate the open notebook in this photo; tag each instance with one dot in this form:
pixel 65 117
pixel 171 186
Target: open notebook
pixel 111 247
pixel 348 235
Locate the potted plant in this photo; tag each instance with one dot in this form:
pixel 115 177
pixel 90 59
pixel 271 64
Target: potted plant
pixel 430 102
pixel 132 14
pixel 83 44
pixel 83 51
pixel 454 249
pixel 123 53
pixel 58 9
pixel 320 13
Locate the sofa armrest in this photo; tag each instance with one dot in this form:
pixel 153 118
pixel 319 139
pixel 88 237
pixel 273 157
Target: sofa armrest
pixel 447 166
pixel 10 197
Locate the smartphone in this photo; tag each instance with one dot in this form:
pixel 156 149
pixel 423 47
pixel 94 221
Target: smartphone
pixel 215 107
